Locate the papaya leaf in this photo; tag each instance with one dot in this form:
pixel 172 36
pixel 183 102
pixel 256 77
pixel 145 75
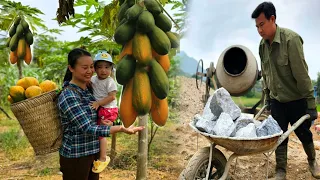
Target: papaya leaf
pixel 84 29
pixel 177 5
pixel 163 2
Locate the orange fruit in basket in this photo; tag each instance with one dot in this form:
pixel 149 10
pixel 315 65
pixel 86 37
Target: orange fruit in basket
pixel 27 82
pixel 10 99
pixel 17 93
pixel 47 86
pixel 33 91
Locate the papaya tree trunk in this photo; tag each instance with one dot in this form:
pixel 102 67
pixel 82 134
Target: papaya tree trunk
pixel 142 161
pixel 20 68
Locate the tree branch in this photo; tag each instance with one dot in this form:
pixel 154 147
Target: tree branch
pixel 168 15
pixel 5 112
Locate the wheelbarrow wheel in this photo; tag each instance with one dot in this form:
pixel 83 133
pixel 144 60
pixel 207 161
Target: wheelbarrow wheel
pixel 198 164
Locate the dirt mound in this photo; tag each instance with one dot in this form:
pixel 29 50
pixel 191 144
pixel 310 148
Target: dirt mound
pixel 189 101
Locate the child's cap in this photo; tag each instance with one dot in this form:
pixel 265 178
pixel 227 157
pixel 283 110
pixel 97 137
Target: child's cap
pixel 103 56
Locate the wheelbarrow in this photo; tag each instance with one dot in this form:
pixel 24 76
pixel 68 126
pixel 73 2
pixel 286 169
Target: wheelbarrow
pixel 202 163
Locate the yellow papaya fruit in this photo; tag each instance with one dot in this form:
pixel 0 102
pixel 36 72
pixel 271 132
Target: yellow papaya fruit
pixel 127 112
pixel 47 86
pixel 159 110
pixel 13 57
pixel 127 50
pixel 141 48
pixel 27 58
pixel 17 93
pixel 27 82
pixel 33 91
pixel 141 91
pixel 163 60
pixel 21 50
pixel 10 99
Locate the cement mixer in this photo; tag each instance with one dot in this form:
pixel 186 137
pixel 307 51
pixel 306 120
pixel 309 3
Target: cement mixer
pixel 236 71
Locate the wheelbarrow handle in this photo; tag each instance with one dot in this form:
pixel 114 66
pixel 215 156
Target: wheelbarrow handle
pixel 293 127
pixel 260 112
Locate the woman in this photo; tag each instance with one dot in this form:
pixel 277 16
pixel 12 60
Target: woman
pixel 80 144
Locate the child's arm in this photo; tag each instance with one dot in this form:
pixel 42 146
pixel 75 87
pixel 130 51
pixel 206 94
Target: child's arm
pixel 111 96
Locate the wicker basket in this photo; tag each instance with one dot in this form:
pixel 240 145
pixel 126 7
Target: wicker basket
pixel 39 119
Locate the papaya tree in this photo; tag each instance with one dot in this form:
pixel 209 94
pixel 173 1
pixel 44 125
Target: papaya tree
pixel 14 14
pixel 9 12
pixel 100 21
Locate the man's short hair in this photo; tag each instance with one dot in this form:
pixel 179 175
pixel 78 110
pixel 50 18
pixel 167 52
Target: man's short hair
pixel 267 8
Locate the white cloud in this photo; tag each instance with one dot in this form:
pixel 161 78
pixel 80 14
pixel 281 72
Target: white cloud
pixel 216 25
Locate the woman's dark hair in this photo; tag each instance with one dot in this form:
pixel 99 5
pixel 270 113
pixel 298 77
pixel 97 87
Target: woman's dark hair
pixel 73 56
pixel 267 8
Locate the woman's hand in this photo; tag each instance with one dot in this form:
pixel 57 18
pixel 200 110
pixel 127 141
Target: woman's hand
pixel 106 122
pixel 132 129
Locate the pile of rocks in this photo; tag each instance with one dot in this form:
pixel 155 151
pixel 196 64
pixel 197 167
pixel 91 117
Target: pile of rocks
pixel 222 117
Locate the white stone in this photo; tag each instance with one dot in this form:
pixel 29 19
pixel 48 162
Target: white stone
pixel 224 126
pixel 222 102
pixel 204 125
pixel 207 114
pixel 268 127
pixel 248 131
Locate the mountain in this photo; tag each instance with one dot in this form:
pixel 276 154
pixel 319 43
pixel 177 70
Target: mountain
pixel 188 65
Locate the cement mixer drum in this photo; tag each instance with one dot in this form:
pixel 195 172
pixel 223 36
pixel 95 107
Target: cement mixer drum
pixel 237 70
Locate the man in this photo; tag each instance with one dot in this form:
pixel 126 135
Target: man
pixel 287 85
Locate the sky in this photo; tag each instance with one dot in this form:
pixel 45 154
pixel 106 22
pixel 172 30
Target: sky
pixel 215 25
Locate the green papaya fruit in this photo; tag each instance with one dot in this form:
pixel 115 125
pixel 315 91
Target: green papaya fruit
pixel 130 2
pixel 14 42
pixel 122 11
pixel 20 30
pixel 17 21
pixel 173 39
pixel 8 41
pixel 124 33
pixel 12 30
pixel 29 37
pixel 24 24
pixel 133 12
pixel 159 41
pixel 121 2
pixel 153 6
pixel 163 22
pixel 145 22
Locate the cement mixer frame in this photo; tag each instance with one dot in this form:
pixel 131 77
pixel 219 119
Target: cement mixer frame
pixel 233 73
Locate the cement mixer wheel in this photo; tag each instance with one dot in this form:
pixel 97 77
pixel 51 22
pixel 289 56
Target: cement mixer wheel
pixel 197 166
pixel 199 74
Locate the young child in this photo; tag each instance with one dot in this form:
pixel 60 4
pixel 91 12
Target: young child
pixel 104 90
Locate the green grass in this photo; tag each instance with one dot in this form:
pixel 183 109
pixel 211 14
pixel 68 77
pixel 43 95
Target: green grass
pixel 9 123
pixel 13 143
pixel 244 101
pixel 45 172
pixel 249 102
